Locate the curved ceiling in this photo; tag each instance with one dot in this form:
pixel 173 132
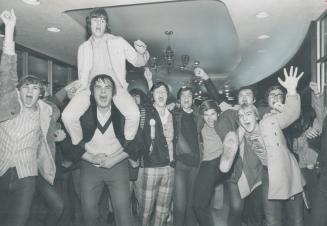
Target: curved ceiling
pixel 222 35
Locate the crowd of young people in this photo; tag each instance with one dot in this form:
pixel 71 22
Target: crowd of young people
pixel 180 154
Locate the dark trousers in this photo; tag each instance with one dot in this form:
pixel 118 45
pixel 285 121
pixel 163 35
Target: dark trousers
pixel 236 205
pixel 16 197
pixel 273 209
pixel 253 206
pixel 93 179
pixel 52 194
pixel 319 216
pixel 206 180
pixel 183 195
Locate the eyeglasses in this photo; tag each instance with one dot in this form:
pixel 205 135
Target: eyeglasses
pixel 276 95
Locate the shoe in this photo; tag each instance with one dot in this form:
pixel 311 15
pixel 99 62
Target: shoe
pixel 230 145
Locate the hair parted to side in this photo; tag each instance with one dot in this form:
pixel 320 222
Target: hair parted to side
pixel 31 79
pixel 97 13
pixel 251 107
pixel 209 104
pixel 102 78
pixel 156 86
pixel 184 89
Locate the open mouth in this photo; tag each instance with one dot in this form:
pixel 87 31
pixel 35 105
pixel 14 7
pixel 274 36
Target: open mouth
pixel 28 99
pixel 103 98
pixel 161 99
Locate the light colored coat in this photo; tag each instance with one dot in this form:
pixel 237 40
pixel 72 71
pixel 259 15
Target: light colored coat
pixel 119 51
pixel 46 155
pixel 285 178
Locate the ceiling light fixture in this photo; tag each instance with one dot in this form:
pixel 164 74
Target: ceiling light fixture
pixel 263 37
pixel 32 2
pixel 261 51
pixel 53 29
pixel 262 15
pixel 168 60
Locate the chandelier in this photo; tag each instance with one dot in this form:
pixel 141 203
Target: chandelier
pixel 168 59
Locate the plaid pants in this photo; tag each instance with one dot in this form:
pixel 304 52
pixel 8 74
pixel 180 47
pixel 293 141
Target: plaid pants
pixel 157 189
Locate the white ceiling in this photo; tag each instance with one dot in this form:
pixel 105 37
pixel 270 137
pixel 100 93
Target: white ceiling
pixel 222 35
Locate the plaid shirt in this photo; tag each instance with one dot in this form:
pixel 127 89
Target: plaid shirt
pixel 19 142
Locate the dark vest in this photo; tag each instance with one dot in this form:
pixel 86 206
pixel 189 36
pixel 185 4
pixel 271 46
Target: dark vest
pixel 89 124
pixel 160 154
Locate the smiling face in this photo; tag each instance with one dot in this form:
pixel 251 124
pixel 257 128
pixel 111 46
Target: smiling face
pixel 160 96
pixel 98 26
pixel 186 99
pixel 248 118
pixel 275 96
pixel 210 116
pixel 103 93
pixel 29 94
pixel 246 96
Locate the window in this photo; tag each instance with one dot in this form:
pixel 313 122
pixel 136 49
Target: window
pixel 38 67
pixel 59 77
pixel 321 65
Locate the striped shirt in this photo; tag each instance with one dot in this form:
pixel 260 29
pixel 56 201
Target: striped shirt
pixel 19 142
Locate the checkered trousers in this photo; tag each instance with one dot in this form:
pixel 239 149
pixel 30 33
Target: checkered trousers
pixel 156 194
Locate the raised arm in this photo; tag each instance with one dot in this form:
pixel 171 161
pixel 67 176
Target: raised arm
pixel 8 59
pixel 138 56
pixel 148 77
pixel 9 104
pixel 292 106
pixel 211 88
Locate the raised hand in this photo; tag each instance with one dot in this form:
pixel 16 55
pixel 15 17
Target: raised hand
pixel 291 80
pixel 72 88
pixel 140 47
pixel 147 74
pixel 314 87
pixel 8 18
pixel 59 135
pixel 199 72
pixel 148 77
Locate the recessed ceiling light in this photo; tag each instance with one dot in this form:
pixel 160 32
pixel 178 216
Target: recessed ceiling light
pixel 261 51
pixel 263 36
pixel 53 29
pixel 32 2
pixel 262 15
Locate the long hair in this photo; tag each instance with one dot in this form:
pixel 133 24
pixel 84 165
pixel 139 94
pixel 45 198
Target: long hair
pixel 103 78
pixel 156 86
pixel 97 13
pixel 31 79
pixel 209 104
pixel 184 89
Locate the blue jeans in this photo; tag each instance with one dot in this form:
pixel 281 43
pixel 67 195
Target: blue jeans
pixel 183 195
pixel 319 216
pixel 93 179
pixel 273 209
pixel 208 177
pixel 16 197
